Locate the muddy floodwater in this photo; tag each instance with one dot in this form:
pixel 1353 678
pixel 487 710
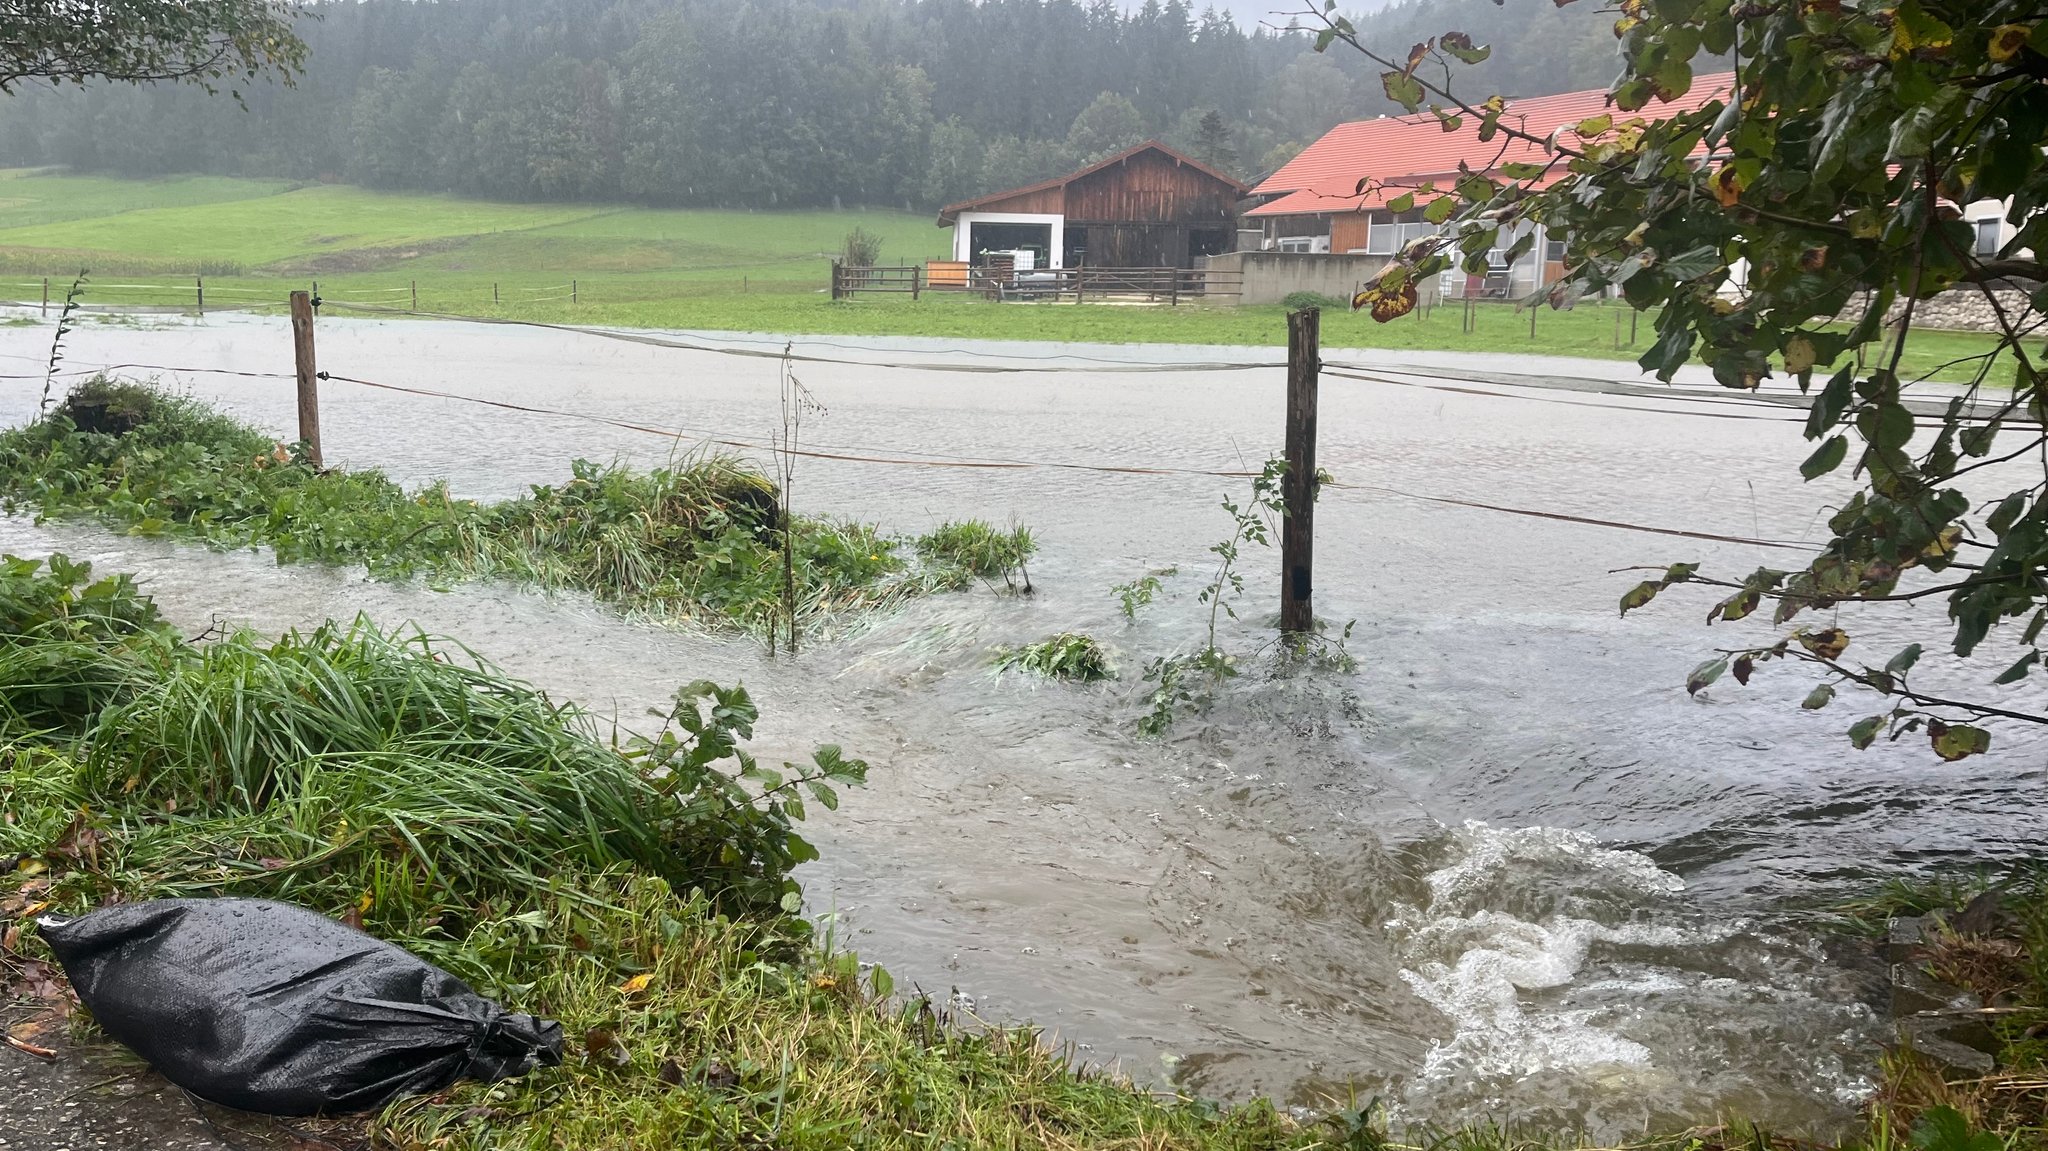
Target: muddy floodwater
pixel 1506 868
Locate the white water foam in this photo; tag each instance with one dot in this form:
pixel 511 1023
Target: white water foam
pixel 1580 990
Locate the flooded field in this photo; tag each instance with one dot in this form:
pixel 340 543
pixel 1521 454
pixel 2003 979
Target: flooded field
pixel 1507 867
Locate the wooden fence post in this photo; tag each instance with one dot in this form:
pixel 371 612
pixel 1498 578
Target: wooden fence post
pixel 415 295
pixel 916 274
pixel 573 296
pixel 835 281
pixel 1532 321
pixel 46 295
pixel 199 286
pixel 494 293
pixel 1298 487
pixel 1632 314
pixel 309 378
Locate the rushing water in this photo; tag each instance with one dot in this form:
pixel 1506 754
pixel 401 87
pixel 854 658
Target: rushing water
pixel 1507 868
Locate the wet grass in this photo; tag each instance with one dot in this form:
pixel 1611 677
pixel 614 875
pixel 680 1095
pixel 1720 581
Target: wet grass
pixel 698 540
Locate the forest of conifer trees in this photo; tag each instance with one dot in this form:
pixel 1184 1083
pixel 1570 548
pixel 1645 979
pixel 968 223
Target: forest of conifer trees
pixel 776 103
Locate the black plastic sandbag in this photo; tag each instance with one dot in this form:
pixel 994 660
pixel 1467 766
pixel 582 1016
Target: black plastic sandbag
pixel 274 1009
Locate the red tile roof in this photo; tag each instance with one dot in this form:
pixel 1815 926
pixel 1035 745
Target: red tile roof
pixel 1398 151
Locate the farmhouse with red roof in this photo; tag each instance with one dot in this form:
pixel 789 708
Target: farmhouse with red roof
pixel 1313 205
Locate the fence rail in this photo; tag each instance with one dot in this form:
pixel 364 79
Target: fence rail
pixel 1003 282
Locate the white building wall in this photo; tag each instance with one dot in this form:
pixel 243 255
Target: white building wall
pixel 963 232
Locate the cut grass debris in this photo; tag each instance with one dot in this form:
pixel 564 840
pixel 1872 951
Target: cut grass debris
pixel 1069 656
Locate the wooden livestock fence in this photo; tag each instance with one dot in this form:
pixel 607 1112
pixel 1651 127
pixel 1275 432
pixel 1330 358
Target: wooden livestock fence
pixel 850 280
pixel 1000 281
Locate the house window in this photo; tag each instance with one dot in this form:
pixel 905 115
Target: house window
pixel 1416 230
pixel 1382 235
pixel 1298 244
pixel 1988 235
pixel 1553 251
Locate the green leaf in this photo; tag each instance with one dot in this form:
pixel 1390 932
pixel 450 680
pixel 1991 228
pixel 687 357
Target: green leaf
pixel 1403 89
pixel 1405 202
pixel 883 983
pixel 1904 661
pixel 1958 742
pixel 1640 596
pixel 2020 670
pixel 1704 675
pixel 792 901
pixel 1865 732
pixel 1694 264
pixel 1460 45
pixel 1819 697
pixel 1827 459
pixel 1440 209
pixel 1887 427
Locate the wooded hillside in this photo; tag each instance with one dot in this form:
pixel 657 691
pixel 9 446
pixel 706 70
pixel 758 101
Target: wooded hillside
pixel 771 103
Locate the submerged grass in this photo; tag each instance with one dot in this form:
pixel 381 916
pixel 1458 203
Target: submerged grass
pixel 1069 656
pixel 700 539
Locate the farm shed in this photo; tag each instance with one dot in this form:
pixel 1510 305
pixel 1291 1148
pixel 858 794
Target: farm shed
pixel 1145 207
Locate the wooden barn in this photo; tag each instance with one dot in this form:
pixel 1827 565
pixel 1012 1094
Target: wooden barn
pixel 1146 207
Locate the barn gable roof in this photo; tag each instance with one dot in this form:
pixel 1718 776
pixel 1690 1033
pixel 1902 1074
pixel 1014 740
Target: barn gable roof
pixel 950 214
pixel 1398 152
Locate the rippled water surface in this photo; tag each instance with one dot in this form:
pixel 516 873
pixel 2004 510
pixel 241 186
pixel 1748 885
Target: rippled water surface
pixel 1506 867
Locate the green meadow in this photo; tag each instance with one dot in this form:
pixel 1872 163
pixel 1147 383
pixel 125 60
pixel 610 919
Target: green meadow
pixel 148 243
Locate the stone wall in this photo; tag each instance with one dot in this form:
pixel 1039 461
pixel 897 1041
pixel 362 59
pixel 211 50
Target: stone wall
pixel 1956 310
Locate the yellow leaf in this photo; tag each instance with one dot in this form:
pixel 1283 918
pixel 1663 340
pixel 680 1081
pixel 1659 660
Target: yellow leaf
pixel 364 904
pixel 31 867
pixel 637 984
pixel 824 982
pixel 2007 41
pixel 1800 355
pixel 35 909
pixel 1728 185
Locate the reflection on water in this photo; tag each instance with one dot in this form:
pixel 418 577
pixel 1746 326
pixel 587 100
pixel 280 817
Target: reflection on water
pixel 1506 865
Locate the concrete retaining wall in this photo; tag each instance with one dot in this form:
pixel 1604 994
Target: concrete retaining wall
pixel 1270 277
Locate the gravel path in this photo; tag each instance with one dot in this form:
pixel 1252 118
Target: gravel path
pixel 98 1099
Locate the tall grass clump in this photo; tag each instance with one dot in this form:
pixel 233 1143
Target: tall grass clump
pixel 700 539
pixel 974 549
pixel 310 766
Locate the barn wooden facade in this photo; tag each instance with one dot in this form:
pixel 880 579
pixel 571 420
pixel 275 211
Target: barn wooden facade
pixel 1146 207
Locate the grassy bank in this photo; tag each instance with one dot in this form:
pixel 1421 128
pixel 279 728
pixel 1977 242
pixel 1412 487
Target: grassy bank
pixel 254 241
pixel 639 894
pixel 701 539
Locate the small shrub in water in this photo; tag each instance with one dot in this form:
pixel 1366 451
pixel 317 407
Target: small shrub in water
pixel 978 550
pixel 1138 593
pixel 1070 656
